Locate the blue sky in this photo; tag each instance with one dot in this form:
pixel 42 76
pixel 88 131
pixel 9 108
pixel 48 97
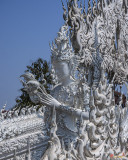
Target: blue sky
pixel 26 28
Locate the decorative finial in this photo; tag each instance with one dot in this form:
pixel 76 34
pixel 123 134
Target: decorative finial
pixel 28 155
pixel 62 142
pixel 124 6
pixel 84 11
pixel 81 119
pixel 84 5
pixel 94 9
pixel 65 11
pixel 54 115
pixel 103 3
pixel 5 105
pixel 81 5
pixel 89 7
pixel 15 157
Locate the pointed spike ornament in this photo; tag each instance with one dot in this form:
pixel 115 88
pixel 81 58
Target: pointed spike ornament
pixel 89 15
pixel 54 115
pixel 124 6
pixel 89 7
pixel 103 3
pixel 81 5
pixel 15 156
pixel 84 11
pixel 65 11
pixel 63 146
pixel 94 9
pixel 28 154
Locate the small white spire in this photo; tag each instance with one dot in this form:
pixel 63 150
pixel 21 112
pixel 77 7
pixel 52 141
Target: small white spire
pixel 15 157
pixel 28 154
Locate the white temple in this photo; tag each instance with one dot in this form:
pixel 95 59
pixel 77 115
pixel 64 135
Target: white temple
pixel 79 119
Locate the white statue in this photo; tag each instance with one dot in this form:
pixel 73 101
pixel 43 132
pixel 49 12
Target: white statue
pixel 68 91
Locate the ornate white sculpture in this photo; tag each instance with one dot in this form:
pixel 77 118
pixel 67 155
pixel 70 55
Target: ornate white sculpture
pixel 89 57
pixel 83 83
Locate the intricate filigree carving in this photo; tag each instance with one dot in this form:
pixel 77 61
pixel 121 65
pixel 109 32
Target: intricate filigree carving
pixel 89 56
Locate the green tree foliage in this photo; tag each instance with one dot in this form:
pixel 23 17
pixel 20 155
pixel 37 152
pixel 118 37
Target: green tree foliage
pixel 37 68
